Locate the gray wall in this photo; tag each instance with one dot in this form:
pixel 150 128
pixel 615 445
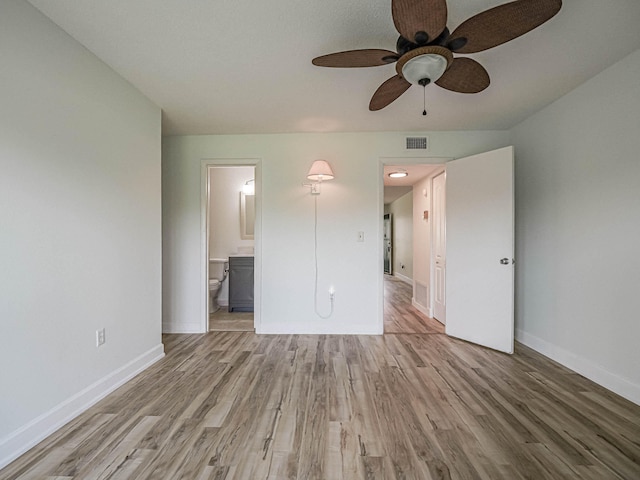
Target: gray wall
pixel 578 228
pixel 79 228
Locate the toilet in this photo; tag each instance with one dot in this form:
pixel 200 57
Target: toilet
pixel 218 269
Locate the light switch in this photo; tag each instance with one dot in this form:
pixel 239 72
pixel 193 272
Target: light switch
pixel 361 236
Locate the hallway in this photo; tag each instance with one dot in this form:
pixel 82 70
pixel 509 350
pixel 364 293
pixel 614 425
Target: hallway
pixel 402 317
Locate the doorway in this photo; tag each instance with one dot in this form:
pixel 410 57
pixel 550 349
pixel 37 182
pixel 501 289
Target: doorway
pixel 407 291
pixel 231 211
pixel 478 249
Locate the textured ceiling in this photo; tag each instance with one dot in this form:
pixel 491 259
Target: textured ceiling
pixel 242 66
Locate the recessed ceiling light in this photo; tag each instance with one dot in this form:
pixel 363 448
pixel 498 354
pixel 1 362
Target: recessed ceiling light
pixel 398 174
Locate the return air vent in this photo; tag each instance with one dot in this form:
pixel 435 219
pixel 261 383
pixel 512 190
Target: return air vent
pixel 416 143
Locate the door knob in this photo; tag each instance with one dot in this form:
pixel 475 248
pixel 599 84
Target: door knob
pixel 504 261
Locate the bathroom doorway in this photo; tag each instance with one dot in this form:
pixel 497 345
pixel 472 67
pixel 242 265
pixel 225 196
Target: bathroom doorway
pixel 231 235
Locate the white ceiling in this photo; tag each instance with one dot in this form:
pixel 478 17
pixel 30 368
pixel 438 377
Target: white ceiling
pixel 414 174
pixel 244 66
pixel 391 194
pixel 395 188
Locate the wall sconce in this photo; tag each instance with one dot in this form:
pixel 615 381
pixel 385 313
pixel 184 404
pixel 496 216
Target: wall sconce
pixel 319 171
pixel 249 188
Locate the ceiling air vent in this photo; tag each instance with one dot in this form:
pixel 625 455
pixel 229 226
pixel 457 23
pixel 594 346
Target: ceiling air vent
pixel 416 143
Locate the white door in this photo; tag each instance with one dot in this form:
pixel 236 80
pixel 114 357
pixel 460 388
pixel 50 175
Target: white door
pixel 439 248
pixel 480 249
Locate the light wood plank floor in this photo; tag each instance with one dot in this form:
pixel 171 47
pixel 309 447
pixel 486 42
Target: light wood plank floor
pixel 225 321
pixel 402 317
pixel 399 315
pixel 236 405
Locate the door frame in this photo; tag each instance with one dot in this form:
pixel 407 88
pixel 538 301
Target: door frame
pixel 396 160
pixel 205 164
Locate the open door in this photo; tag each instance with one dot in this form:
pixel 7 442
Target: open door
pixel 480 249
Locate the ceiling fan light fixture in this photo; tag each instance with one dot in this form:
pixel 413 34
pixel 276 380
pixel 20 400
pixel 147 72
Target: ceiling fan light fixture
pixel 429 66
pixel 426 64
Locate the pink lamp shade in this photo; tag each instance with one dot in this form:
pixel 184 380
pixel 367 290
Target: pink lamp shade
pixel 319 171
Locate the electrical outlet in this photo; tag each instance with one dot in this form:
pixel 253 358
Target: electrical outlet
pixel 100 337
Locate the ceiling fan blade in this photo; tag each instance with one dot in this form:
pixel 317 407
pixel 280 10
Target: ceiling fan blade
pixel 501 24
pixel 388 92
pixel 413 16
pixel 356 58
pixel 465 75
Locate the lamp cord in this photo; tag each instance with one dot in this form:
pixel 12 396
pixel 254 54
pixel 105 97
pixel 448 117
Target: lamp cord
pixel 315 252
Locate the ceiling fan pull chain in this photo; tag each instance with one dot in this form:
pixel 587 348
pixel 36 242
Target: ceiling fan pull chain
pixel 424 100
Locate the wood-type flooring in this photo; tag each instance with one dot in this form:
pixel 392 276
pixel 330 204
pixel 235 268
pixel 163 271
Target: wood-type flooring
pixel 236 405
pixel 225 321
pixel 399 315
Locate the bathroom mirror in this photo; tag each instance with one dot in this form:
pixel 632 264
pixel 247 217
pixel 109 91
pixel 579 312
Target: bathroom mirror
pixel 247 215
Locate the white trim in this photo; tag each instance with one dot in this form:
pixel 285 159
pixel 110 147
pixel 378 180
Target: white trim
pixel 403 278
pixel 344 329
pixel 583 366
pixel 190 327
pixel 421 308
pixel 27 436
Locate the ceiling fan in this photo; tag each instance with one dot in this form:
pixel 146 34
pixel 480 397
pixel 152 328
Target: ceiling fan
pixel 425 48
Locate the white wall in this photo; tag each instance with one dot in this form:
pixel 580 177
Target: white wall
pixel 350 203
pixel 80 228
pixel 578 229
pixel 225 185
pixel 401 211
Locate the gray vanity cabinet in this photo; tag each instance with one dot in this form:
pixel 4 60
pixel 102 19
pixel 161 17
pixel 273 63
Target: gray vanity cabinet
pixel 241 284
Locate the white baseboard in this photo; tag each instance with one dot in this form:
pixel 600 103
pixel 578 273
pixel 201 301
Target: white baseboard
pixel 29 435
pixel 181 328
pixel 289 329
pixel 581 365
pixel 421 308
pixel 403 278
